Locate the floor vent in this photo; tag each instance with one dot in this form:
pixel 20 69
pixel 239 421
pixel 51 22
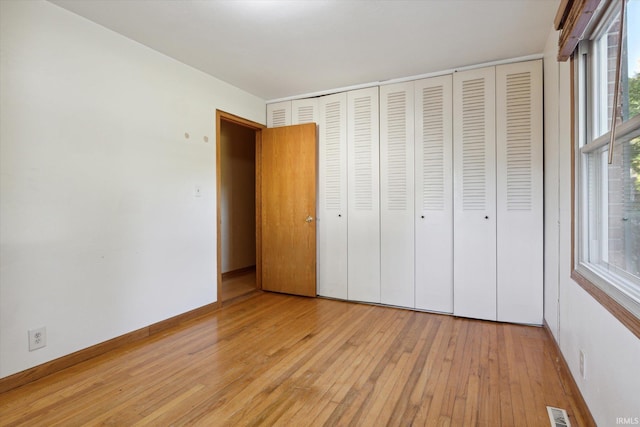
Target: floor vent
pixel 558 417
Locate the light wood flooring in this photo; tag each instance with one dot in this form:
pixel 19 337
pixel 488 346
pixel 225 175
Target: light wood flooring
pixel 238 284
pixel 273 359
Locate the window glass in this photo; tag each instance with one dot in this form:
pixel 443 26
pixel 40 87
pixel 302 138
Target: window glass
pixel 623 208
pixel 605 53
pixel 609 229
pixel 631 84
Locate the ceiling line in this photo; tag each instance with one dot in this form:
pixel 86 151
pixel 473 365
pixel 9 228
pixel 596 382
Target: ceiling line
pixel 407 79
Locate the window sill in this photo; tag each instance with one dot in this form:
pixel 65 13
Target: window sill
pixel 619 311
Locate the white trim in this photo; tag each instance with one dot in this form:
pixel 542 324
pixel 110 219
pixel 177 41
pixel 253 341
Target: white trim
pixel 407 79
pixel 626 130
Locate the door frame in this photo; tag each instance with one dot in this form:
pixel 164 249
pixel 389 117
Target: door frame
pixel 222 116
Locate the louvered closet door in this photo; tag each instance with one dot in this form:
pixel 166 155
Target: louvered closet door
pixel 519 192
pixel 396 195
pixel 304 111
pixel 434 194
pixel 474 194
pixel 332 213
pixel 364 198
pixel 279 114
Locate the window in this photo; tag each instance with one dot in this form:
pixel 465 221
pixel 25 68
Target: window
pixel 608 226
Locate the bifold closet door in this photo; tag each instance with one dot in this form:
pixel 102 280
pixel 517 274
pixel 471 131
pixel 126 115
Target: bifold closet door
pixel 519 192
pixel 364 197
pixel 279 114
pixel 332 196
pixel 434 194
pixel 474 194
pixel 304 111
pixel 396 195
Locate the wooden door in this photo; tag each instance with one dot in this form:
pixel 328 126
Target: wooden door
pixel 288 185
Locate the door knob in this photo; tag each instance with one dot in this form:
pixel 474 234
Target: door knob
pixel 309 218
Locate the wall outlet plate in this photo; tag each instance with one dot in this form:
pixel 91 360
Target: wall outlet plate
pixel 37 338
pixel 582 365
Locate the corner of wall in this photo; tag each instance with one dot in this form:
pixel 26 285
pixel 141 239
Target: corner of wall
pixel 611 381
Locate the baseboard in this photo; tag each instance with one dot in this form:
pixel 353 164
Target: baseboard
pixel 568 382
pixel 238 272
pixel 48 368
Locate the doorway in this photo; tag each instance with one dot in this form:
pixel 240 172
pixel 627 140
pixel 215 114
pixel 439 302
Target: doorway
pixel 285 206
pixel 238 240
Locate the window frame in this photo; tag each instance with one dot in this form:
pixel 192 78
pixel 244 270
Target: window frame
pixel 619 295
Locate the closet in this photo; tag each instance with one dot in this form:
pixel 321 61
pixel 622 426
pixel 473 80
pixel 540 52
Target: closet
pixel 519 204
pixel 304 111
pixel 474 219
pixel 348 217
pixel 397 262
pixel 363 194
pixel 430 192
pixel 434 194
pixel 498 217
pixel 332 196
pixel 295 112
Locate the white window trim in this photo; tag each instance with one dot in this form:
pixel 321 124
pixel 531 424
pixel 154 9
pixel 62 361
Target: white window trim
pixel 617 286
pixel 597 284
pixel 629 129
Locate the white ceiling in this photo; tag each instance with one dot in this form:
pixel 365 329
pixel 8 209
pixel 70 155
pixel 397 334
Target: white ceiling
pixel 281 48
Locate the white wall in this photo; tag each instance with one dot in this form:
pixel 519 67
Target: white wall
pixel 237 196
pixel 100 231
pixel 551 190
pixel 611 386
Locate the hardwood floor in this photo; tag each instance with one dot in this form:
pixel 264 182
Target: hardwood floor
pixel 274 359
pixel 238 284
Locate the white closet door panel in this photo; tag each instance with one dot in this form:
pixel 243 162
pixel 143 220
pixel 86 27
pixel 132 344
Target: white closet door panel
pixel 396 195
pixel 304 111
pixel 474 194
pixel 519 192
pixel 434 194
pixel 332 212
pixel 279 114
pixel 364 197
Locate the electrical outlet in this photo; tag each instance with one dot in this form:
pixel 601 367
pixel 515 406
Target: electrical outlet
pixel 197 191
pixel 37 338
pixel 582 365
